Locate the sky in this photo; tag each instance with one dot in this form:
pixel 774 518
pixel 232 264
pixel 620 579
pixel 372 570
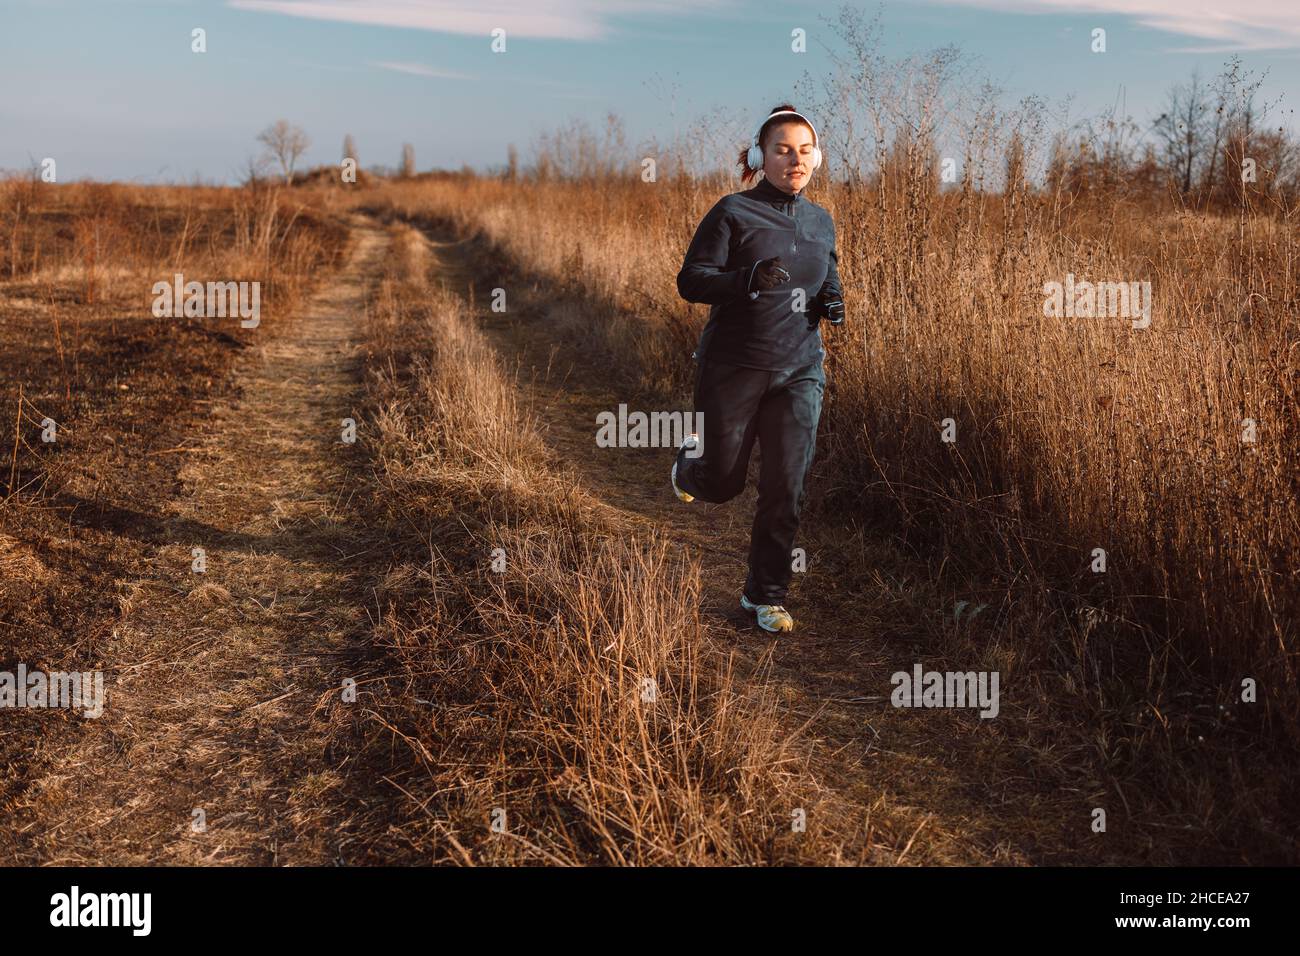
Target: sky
pixel 113 90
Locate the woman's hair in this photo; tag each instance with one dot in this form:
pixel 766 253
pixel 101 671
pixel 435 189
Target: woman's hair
pixel 746 174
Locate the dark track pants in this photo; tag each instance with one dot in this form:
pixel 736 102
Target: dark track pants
pixel 781 410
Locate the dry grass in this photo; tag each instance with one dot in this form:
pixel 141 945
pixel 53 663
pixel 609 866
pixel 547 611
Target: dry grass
pixel 77 271
pixel 109 241
pixel 221 685
pixel 526 691
pixel 1073 434
pixel 81 518
pixel 577 690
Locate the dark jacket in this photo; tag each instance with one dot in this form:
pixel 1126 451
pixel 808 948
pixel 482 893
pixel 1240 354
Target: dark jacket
pixel 761 330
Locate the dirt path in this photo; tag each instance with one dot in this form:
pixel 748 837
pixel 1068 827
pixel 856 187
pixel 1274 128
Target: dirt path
pixel 944 787
pixel 222 686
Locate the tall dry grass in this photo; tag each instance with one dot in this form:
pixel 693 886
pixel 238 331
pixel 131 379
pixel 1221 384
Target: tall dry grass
pixel 1072 434
pixel 573 692
pixel 113 240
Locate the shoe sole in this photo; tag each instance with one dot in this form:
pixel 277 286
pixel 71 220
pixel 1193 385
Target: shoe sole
pixel 681 495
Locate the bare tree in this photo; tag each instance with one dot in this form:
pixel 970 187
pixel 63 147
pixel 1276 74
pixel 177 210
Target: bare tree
pixel 408 160
pixel 255 168
pixel 286 143
pixel 1183 132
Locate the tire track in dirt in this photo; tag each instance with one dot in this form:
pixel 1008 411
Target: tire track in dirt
pixel 223 687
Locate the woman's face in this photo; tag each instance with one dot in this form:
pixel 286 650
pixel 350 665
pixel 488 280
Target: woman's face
pixel 787 156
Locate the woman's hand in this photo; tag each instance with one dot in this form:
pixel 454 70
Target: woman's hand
pixel 767 275
pixel 832 309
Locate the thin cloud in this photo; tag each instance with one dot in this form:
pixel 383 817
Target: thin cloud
pixel 419 69
pixel 1257 25
pixel 554 19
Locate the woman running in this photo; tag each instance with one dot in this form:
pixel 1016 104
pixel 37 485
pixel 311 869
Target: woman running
pixel 764 259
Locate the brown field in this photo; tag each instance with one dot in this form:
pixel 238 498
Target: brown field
pixel 602 700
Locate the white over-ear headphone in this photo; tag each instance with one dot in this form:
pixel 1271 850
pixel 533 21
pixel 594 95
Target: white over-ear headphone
pixel 755 155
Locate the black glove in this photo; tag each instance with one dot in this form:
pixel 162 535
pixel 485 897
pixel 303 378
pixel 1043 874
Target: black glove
pixel 767 275
pixel 832 309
